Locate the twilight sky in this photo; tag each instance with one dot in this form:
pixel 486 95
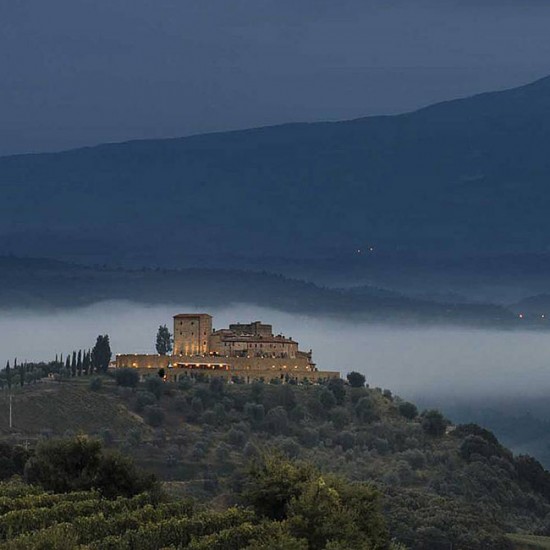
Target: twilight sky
pixel 80 72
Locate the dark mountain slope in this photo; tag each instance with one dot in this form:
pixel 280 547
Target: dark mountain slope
pixel 466 176
pixel 45 283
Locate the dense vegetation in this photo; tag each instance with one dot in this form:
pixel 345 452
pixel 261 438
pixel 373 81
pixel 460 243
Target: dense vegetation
pixel 200 435
pixel 100 500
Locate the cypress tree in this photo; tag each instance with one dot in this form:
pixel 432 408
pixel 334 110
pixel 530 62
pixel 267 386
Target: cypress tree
pixel 85 363
pixel 79 363
pixel 101 354
pixel 8 375
pixel 164 341
pixel 73 364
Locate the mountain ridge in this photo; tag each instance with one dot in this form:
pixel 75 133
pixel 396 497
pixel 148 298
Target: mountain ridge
pixel 446 178
pixel 433 106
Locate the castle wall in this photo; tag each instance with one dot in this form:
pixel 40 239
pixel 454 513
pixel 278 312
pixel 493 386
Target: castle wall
pixel 143 361
pixel 265 375
pixel 253 368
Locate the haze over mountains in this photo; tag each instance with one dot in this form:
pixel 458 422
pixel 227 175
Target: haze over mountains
pixel 466 177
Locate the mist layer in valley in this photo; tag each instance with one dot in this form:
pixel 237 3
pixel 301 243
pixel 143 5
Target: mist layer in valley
pixel 498 378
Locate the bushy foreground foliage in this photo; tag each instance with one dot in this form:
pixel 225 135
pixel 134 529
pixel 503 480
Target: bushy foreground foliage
pixel 323 510
pixel 284 505
pixel 78 464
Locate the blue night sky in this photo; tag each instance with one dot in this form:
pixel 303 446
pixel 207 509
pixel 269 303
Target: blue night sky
pixel 79 72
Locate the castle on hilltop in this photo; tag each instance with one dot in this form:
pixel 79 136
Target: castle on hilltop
pixel 248 351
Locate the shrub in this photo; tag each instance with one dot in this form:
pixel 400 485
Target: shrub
pixel 222 452
pixel 255 413
pixel 414 457
pixel 434 423
pixel 154 385
pixel 288 447
pixel 285 397
pixel 298 413
pixel 236 437
pixel 356 379
pixel 95 384
pixel 327 512
pixel 126 377
pixel 106 436
pixel 125 393
pixel 346 440
pixel 463 430
pixel 185 383
pixel 408 410
pixel 327 399
pixel 12 460
pixel 79 464
pixel 250 451
pixel 181 405
pixel 196 405
pixel 366 410
pixel 219 413
pixel 154 416
pixel 405 473
pixel 208 417
pixel 340 417
pixel 200 450
pixel 276 420
pixel 309 437
pixel 216 385
pixel 257 391
pixel 134 437
pixel 338 388
pixel 381 445
pixel 144 399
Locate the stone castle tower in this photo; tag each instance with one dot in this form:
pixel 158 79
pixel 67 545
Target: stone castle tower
pixel 192 333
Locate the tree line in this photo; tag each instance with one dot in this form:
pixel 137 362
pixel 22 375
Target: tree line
pixel 76 363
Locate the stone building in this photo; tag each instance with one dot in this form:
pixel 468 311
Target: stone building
pixel 250 351
pixel 192 332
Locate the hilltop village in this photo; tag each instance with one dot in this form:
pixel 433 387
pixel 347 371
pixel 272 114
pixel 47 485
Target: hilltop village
pixel 248 351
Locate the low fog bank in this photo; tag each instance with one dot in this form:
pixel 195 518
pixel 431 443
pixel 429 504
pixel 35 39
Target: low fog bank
pixel 417 362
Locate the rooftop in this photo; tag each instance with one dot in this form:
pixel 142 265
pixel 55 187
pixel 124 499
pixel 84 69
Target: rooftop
pixel 191 315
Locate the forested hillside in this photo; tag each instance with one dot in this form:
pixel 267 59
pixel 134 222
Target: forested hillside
pixel 42 284
pixel 439 483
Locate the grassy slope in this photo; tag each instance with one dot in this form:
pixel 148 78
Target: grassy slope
pixel 66 407
pixel 530 542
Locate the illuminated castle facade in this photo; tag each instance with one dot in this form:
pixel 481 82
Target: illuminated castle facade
pixel 250 351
